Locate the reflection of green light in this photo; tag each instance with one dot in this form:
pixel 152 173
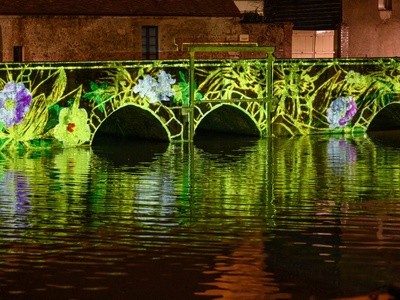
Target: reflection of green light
pixel 95 288
pixel 226 202
pixel 38 260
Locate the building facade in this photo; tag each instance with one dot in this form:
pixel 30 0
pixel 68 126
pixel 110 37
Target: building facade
pixel 73 30
pixel 317 25
pixel 373 27
pixel 339 28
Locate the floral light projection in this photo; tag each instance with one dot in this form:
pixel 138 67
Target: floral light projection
pixel 99 94
pixel 156 90
pixel 305 88
pixel 72 129
pixel 233 80
pixel 182 91
pixel 15 101
pixel 353 77
pixel 341 111
pixel 29 106
pixel 44 105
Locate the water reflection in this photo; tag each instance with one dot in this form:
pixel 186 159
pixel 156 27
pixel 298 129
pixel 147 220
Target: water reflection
pixel 342 156
pixel 388 139
pixel 242 274
pixel 287 218
pixel 126 152
pixel 230 146
pixel 14 201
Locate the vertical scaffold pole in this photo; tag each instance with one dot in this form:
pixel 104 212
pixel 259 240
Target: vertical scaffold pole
pixel 191 98
pixel 270 96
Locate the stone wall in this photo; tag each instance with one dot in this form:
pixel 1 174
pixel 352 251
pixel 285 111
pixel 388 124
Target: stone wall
pixel 87 38
pixel 372 33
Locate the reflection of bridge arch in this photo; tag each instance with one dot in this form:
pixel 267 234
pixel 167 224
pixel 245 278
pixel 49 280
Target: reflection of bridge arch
pixel 387 118
pixel 229 118
pixel 131 120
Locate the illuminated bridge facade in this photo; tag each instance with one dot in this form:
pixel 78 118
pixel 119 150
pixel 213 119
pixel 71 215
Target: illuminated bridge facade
pixel 46 105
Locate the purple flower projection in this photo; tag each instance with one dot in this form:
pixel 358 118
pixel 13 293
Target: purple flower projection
pixel 15 101
pixel 341 111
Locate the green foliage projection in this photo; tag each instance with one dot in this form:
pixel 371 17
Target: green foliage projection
pixel 307 91
pixel 98 94
pixel 182 91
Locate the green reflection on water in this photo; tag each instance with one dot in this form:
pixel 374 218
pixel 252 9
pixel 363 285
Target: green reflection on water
pixel 319 200
pixel 77 189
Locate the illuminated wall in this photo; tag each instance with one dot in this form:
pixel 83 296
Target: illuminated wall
pixel 332 96
pixel 65 104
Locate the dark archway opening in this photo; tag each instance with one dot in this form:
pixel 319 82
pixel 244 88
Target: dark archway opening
pixel 130 136
pixel 387 119
pixel 132 123
pixel 228 120
pixel 226 130
pixel 384 129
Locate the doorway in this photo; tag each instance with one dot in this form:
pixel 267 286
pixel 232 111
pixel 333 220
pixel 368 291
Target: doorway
pixel 313 44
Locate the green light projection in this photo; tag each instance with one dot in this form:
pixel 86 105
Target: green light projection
pixel 332 96
pixel 245 81
pixel 64 104
pixel 46 105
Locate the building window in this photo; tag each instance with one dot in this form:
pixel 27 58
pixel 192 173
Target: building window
pixel 149 42
pixel 17 53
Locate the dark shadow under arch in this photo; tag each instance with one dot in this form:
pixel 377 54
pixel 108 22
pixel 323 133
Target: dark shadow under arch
pixel 130 153
pixel 228 119
pixel 132 122
pixel 387 119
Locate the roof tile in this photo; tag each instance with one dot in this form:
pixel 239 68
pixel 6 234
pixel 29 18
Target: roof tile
pixel 202 8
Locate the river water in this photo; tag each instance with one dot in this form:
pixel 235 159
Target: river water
pixel 226 218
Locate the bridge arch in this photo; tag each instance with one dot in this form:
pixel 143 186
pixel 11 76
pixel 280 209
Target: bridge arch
pixel 133 121
pixel 228 118
pixel 388 118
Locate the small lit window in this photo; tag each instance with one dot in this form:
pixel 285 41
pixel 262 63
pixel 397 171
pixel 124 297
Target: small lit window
pixel 17 53
pixel 384 4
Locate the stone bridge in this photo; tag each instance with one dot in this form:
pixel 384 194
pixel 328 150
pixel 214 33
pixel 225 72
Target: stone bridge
pixel 46 105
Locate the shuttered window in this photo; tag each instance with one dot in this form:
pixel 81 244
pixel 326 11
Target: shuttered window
pixel 305 14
